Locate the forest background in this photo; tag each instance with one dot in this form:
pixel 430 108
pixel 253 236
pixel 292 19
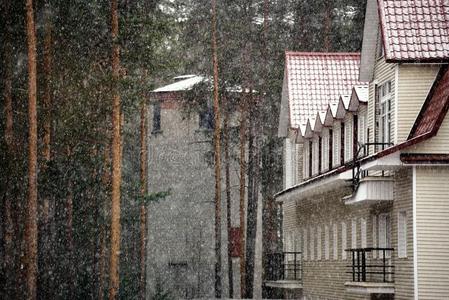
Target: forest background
pixel 76 81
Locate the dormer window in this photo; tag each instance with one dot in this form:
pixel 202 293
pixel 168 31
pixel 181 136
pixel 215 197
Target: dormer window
pixel 385 97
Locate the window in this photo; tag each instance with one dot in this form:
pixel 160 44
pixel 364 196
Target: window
pixel 326 242
pixel 336 146
pixel 361 132
pixel 325 150
pixel 374 235
pixel 384 232
pixel 335 239
pixel 207 118
pixel 305 244
pixel 354 234
pixel 305 166
pixel 312 243
pixel 310 158
pixel 156 118
pixel 385 112
pixel 348 141
pixel 318 243
pixel 320 156
pixel 402 234
pixel 344 239
pixel 330 148
pixel 363 232
pixel 288 163
pixel 342 144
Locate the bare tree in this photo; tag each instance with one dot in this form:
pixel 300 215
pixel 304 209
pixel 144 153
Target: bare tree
pixel 116 159
pixel 31 211
pixel 242 165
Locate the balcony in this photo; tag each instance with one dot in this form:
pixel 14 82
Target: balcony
pixel 371 271
pixel 284 270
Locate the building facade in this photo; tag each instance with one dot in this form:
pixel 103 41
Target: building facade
pixel 181 238
pixel 366 198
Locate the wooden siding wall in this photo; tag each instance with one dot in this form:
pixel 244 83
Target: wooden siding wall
pixel 403 201
pixel 414 83
pixel 432 226
pixel 382 73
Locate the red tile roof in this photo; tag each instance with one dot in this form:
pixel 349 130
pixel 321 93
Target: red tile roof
pixel 434 108
pixel 316 79
pixel 415 30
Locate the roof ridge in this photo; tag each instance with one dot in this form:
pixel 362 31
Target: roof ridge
pixel 299 53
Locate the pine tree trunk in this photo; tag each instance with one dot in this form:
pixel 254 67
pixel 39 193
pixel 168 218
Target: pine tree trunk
pixel 143 192
pixel 31 233
pixel 70 242
pixel 328 26
pixel 217 156
pixel 116 160
pixel 7 222
pixel 46 239
pixel 101 264
pixel 228 199
pixel 242 194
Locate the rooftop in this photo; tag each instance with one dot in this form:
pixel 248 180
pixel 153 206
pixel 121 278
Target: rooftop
pixel 415 30
pixel 316 79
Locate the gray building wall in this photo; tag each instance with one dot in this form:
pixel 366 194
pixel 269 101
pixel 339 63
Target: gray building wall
pixel 180 249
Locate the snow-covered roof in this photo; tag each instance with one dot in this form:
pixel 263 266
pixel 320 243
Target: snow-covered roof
pixel 415 30
pixel 181 85
pixel 316 79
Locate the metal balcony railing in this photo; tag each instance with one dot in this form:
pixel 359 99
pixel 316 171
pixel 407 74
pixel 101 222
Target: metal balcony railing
pixel 284 266
pixel 371 265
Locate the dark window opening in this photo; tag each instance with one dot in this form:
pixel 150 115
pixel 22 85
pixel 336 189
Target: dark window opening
pixel 355 134
pixel 342 142
pixel 320 148
pixel 156 118
pixel 207 118
pixel 331 148
pixel 310 158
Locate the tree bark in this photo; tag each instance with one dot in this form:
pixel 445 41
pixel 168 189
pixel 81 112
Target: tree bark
pixel 8 259
pixel 116 159
pixel 328 26
pixel 242 193
pixel 31 233
pixel 228 198
pixel 217 155
pixel 70 242
pixel 143 192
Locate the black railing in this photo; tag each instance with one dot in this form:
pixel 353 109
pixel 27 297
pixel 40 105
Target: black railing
pixel 363 151
pixel 371 265
pixel 284 266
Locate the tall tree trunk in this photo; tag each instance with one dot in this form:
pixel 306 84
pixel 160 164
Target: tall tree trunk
pixel 116 160
pixel 250 215
pixel 217 155
pixel 242 188
pixel 70 242
pixel 328 26
pixel 228 198
pixel 45 247
pixel 8 259
pixel 31 213
pixel 143 192
pixel 106 181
